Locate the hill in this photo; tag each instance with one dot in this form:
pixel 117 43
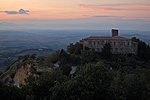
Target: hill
pixel 7 58
pixel 30 41
pixel 97 75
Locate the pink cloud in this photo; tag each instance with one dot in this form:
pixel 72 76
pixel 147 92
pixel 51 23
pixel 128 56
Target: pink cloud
pixel 84 6
pixel 118 7
pixel 142 5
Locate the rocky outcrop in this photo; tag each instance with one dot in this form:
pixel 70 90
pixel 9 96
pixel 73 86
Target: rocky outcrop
pixel 21 69
pixel 22 73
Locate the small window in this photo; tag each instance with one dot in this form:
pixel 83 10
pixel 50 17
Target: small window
pixel 94 43
pixel 102 42
pixel 110 43
pixel 98 43
pixel 114 43
pixel 90 42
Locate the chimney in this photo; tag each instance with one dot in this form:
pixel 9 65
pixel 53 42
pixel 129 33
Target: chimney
pixel 114 32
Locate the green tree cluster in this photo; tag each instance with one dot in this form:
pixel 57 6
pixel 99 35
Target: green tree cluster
pixel 143 49
pixel 10 92
pixel 88 56
pixel 93 83
pixel 51 59
pixel 131 86
pixel 75 49
pixel 38 88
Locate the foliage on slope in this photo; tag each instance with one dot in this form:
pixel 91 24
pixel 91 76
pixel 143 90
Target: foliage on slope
pixel 115 77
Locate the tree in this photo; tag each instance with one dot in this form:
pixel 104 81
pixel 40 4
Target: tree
pixel 143 49
pixel 66 69
pixel 78 48
pixel 51 59
pixel 11 92
pixel 126 86
pixel 39 87
pixel 117 86
pixel 31 85
pixel 91 84
pixel 63 57
pixel 1 73
pixel 75 49
pixel 75 60
pixel 33 56
pixel 71 48
pixel 148 92
pixel 88 56
pixel 40 60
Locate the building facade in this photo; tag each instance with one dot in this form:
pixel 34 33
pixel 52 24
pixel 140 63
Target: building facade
pixel 119 45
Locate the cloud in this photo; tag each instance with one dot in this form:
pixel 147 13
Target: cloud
pixel 10 12
pixel 118 7
pixel 85 15
pixel 21 11
pixel 142 5
pixel 103 16
pixel 7 23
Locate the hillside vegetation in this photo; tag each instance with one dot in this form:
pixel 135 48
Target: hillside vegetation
pixel 98 76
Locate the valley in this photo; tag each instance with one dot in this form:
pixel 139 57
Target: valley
pixel 44 42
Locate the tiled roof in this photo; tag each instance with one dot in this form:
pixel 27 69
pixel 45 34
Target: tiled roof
pixel 106 38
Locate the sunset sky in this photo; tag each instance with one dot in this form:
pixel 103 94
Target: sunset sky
pixel 75 14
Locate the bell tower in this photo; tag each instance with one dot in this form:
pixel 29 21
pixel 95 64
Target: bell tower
pixel 114 32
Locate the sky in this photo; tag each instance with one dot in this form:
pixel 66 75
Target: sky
pixel 75 14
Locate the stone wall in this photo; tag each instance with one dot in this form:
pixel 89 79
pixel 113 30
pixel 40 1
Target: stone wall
pixel 117 46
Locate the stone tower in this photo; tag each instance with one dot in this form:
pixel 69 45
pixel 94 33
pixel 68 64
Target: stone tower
pixel 114 32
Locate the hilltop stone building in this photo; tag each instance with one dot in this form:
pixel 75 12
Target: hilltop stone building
pixel 119 45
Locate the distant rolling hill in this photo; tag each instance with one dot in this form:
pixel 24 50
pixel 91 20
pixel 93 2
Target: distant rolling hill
pixel 17 43
pixel 7 59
